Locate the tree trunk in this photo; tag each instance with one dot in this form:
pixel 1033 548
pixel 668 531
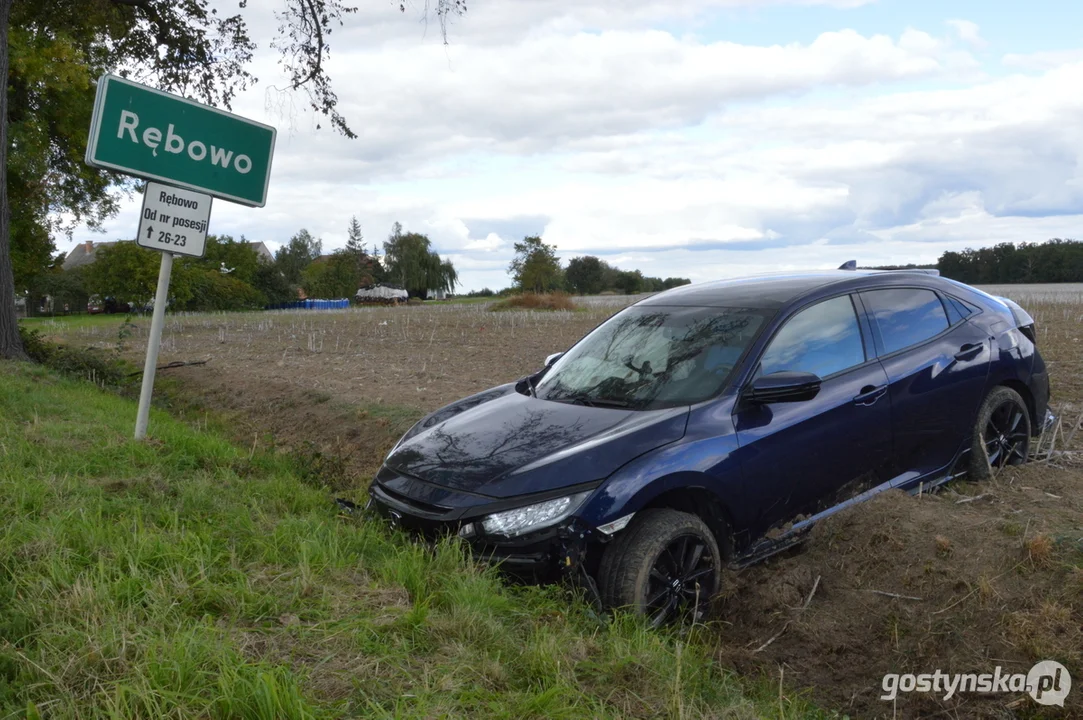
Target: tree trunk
pixel 11 345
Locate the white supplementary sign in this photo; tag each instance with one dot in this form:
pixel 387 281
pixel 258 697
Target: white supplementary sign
pixel 174 220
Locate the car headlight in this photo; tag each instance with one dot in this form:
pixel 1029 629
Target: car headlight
pixel 511 523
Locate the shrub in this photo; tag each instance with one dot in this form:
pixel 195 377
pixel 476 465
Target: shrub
pixel 213 291
pixel 81 363
pixel 536 301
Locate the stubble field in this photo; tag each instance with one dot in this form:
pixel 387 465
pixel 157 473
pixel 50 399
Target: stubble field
pixel 963 580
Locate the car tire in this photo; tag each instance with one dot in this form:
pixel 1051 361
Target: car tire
pixel 664 566
pixel 1001 434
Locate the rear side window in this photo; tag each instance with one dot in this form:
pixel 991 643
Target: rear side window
pixel 957 311
pixel 823 339
pixel 905 316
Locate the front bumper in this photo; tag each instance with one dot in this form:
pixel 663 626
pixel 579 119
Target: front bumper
pixel 432 512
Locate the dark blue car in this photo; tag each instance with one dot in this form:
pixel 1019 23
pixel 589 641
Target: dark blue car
pixel 715 423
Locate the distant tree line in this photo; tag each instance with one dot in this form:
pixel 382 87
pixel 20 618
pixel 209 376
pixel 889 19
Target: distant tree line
pixel 536 268
pixel 232 276
pixel 1052 261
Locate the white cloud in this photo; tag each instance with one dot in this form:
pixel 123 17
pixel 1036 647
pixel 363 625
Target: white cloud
pixel 969 32
pixel 581 120
pixel 1045 60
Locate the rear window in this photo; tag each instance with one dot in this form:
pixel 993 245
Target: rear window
pixel 905 316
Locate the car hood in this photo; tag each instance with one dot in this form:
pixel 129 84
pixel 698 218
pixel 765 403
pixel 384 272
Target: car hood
pixel 502 443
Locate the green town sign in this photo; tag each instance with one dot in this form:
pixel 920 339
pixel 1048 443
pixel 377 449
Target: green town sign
pixel 145 132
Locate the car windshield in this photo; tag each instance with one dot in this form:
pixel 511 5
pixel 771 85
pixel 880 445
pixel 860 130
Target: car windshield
pixel 653 357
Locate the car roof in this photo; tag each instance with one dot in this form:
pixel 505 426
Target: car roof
pixel 772 291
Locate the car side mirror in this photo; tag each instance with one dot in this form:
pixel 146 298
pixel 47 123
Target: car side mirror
pixel 784 386
pixel 553 358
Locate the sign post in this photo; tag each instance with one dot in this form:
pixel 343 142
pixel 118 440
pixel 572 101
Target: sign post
pixel 173 221
pixel 190 152
pixel 154 341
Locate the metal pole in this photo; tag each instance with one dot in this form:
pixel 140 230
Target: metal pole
pixel 155 339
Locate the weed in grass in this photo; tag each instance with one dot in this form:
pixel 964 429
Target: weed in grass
pixel 95 366
pixel 1047 630
pixel 1039 550
pixel 316 468
pixel 1011 528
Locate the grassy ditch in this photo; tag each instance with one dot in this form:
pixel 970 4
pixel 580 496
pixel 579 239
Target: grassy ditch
pixel 187 577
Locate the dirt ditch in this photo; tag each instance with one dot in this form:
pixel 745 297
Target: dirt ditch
pixel 962 582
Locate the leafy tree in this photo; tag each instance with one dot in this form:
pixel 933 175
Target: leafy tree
pixel 235 258
pixel 630 282
pixel 213 290
pixel 536 267
pixel 410 262
pixel 129 273
pixel 295 256
pixel 272 284
pixel 586 275
pixel 50 53
pixel 338 276
pixel 65 289
pixel 1056 260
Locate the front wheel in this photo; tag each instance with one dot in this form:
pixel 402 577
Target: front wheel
pixel 1001 434
pixel 665 566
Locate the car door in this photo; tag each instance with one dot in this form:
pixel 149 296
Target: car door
pixel 936 363
pixel 803 457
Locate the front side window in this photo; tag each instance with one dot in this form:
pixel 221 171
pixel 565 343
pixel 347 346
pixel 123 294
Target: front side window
pixel 822 339
pixel 651 357
pixel 905 316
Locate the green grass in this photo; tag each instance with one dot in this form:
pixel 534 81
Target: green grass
pixel 184 578
pixel 477 300
pixel 74 322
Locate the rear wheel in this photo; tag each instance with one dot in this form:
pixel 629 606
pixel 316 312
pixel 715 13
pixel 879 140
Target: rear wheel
pixel 1001 434
pixel 665 566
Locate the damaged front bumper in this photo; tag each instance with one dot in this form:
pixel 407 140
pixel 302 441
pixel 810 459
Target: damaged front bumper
pixel 548 554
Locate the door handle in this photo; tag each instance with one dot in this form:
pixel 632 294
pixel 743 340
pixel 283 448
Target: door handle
pixel 870 394
pixel 969 351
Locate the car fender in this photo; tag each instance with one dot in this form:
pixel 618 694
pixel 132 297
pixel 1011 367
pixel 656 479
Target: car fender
pixel 707 464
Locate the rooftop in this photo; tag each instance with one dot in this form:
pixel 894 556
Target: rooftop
pixel 769 292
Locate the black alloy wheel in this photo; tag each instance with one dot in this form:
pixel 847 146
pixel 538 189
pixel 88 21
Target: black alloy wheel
pixel 678 582
pixel 665 566
pixel 1002 434
pixel 1006 435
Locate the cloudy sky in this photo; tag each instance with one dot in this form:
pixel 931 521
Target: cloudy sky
pixel 694 138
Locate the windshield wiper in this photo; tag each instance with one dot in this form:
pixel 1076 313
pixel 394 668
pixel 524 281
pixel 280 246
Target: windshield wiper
pixel 584 399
